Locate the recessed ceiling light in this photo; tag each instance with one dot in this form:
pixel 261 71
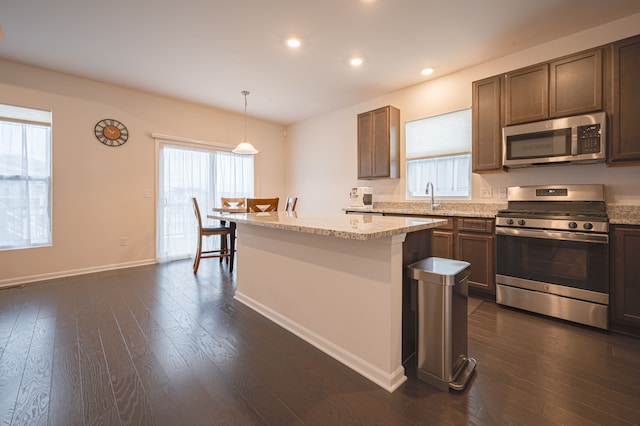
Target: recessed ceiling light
pixel 427 71
pixel 356 61
pixel 293 42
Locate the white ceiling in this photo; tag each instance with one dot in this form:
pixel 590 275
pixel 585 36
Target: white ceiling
pixel 208 51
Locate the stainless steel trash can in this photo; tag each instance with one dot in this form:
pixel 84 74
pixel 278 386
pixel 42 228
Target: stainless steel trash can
pixel 441 352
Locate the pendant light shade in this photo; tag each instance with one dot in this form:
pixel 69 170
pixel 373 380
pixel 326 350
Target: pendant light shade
pixel 245 147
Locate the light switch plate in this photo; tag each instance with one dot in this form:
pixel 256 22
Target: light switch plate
pixel 502 192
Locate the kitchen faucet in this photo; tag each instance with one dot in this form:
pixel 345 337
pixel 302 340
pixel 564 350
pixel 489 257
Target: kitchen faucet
pixel 432 205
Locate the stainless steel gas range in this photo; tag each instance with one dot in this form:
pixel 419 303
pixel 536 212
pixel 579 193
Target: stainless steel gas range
pixel 553 252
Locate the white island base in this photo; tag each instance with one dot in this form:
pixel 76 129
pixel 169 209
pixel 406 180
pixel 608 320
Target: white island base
pixel 343 296
pixel 334 280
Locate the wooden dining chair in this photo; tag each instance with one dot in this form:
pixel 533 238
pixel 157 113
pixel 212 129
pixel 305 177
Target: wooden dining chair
pixel 262 204
pixel 290 204
pixel 233 202
pixel 205 231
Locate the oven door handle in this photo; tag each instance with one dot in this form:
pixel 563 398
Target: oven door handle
pixel 554 235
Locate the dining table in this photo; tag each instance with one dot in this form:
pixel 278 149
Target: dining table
pixel 232 224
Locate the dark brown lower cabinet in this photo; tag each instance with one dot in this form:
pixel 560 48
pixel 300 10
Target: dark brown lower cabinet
pixel 442 240
pixel 625 280
pixel 477 249
pixel 476 244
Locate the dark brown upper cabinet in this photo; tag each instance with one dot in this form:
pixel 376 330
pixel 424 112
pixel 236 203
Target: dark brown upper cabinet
pixel 575 84
pixel 624 104
pixel 527 94
pixel 567 86
pixel 379 143
pixel 486 125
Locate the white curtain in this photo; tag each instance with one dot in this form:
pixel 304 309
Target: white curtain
pixel 207 174
pixel 25 184
pixel 449 175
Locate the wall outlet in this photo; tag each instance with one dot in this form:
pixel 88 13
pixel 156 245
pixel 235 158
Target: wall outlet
pixel 123 241
pixel 502 192
pixel 486 192
pixel 147 193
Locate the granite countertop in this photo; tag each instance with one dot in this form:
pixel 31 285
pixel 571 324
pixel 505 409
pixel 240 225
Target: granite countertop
pixel 618 214
pixel 340 225
pixel 487 210
pixel 623 215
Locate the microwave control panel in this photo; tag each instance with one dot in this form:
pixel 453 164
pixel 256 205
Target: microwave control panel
pixel 589 139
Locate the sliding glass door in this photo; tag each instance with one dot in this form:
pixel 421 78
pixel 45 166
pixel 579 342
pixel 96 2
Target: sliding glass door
pixel 204 173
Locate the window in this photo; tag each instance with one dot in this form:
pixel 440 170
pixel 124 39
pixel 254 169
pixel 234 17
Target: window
pixel 202 172
pixel 25 177
pixel 438 150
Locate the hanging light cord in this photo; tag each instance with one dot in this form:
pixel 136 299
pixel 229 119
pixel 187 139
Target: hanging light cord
pixel 245 93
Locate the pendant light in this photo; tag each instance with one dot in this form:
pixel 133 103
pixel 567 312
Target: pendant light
pixel 245 147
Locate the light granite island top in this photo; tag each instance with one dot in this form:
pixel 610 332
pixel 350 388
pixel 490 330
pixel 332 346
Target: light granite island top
pixel 340 225
pixel 334 280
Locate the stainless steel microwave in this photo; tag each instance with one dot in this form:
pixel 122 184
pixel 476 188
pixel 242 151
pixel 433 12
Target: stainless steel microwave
pixel 577 139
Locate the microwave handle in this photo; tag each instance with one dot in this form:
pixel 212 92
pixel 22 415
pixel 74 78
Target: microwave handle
pixel 574 140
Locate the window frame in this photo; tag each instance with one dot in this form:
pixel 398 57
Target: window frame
pixel 40 117
pixel 416 195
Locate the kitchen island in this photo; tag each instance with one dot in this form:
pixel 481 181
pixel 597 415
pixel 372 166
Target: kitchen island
pixel 334 280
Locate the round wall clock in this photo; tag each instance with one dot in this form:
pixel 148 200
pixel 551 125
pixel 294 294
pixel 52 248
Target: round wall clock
pixel 111 132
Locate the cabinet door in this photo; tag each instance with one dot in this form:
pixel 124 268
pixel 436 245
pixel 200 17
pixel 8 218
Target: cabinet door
pixel 527 94
pixel 478 249
pixel 486 122
pixel 381 160
pixel 624 146
pixel 442 244
pixel 575 84
pixel 625 290
pixel 365 145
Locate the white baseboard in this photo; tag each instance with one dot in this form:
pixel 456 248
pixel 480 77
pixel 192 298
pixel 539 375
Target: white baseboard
pixel 14 282
pixel 388 381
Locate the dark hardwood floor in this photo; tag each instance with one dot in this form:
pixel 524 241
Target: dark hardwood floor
pixel 158 345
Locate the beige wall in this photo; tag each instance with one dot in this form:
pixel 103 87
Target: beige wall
pixel 322 150
pixel 98 191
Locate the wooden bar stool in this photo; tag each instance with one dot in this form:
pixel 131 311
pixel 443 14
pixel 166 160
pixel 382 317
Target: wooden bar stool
pixel 222 231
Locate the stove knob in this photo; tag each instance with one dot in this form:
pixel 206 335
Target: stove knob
pixel 588 225
pixel 521 222
pixel 573 225
pixel 509 221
